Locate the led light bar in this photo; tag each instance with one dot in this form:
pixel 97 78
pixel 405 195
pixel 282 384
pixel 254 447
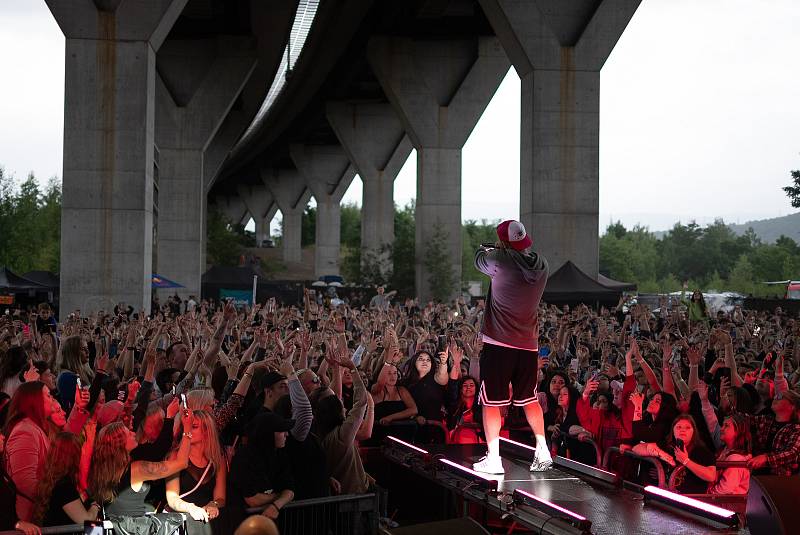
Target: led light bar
pixel 585 469
pixel 517 449
pixel 685 504
pixel 552 509
pixel 403 443
pixel 471 474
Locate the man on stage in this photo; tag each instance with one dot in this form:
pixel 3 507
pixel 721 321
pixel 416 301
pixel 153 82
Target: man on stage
pixel 510 333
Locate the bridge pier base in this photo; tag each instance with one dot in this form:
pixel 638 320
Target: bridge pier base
pixel 374 140
pixel 439 89
pixel 558 59
pixel 196 85
pixel 292 195
pixel 262 207
pixel 328 172
pixel 109 107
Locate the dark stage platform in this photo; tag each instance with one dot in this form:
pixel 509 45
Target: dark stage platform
pixel 606 506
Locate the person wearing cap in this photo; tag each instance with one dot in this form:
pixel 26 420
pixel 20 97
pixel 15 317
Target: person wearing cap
pixel 776 439
pixel 510 333
pixel 260 474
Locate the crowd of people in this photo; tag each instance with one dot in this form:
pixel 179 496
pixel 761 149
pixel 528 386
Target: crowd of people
pixel 210 410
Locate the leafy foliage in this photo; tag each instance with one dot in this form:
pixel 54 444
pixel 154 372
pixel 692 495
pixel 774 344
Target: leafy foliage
pixel 30 224
pixel 225 241
pixel 793 191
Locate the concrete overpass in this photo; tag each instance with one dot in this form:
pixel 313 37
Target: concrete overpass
pixel 173 104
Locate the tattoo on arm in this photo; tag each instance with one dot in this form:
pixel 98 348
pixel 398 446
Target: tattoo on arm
pixel 154 470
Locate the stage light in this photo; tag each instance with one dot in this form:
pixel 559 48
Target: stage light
pixel 587 470
pixel 691 506
pixel 552 509
pixel 406 445
pixel 475 477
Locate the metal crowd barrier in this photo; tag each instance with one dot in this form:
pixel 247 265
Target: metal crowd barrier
pixel 656 463
pixel 349 514
pixel 78 529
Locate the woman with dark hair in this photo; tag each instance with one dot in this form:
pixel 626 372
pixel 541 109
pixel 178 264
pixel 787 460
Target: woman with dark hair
pixel 199 489
pixel 696 304
pixel 45 374
pixel 73 364
pixel 33 415
pixel 687 449
pixel 426 386
pixel 548 391
pixel 735 434
pixel 57 501
pixel 654 423
pixel 567 438
pixel 11 365
pixel 464 420
pixel 122 484
pixel 260 472
pixel 337 433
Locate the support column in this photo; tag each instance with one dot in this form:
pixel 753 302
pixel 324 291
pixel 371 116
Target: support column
pixel 262 207
pixel 232 208
pixel 292 195
pixel 328 172
pixel 109 105
pixel 196 85
pixel 375 141
pixel 439 89
pixel 558 57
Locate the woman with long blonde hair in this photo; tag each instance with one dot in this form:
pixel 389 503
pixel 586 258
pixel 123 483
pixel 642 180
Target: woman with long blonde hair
pixel 57 501
pixel 121 484
pixel 199 490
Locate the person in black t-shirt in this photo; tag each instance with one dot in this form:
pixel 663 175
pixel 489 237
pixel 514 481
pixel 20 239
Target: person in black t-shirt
pixel 57 501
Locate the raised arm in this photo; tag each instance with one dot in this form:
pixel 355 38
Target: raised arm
pixel 666 371
pixel 142 471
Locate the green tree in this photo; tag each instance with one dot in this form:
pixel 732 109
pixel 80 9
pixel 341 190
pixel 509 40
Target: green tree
pixel 350 225
pixel 403 250
pixel 308 230
pixel 441 279
pixel 473 234
pixel 224 244
pixel 793 191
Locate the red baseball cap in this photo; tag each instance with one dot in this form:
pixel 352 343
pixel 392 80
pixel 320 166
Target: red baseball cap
pixel 513 233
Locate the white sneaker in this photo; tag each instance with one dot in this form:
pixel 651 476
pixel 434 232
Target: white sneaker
pixel 489 465
pixel 541 464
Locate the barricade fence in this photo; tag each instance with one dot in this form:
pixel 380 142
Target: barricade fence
pixel 349 514
pixel 355 514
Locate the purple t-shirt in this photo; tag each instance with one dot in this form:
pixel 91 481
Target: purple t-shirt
pixel 512 303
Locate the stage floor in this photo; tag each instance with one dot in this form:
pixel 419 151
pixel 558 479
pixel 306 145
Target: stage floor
pixel 611 510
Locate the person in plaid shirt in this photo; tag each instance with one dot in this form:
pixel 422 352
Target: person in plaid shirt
pixel 776 439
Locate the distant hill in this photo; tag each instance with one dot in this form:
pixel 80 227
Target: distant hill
pixel 768 230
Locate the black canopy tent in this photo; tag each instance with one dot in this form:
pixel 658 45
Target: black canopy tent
pixel 24 291
pixel 570 286
pixel 616 285
pixel 44 278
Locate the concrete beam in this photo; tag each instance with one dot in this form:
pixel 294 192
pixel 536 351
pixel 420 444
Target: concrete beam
pixel 375 141
pixel 292 196
pixel 328 172
pixel 262 207
pixel 196 85
pixel 439 89
pixel 109 112
pixel 558 53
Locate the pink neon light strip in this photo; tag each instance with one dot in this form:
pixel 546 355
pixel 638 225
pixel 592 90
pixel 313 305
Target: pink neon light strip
pixel 467 470
pixel 574 515
pixel 691 502
pixel 407 445
pixel 520 444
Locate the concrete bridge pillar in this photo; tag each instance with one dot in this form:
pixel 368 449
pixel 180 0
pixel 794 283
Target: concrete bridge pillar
pixel 439 89
pixel 262 207
pixel 292 195
pixel 328 172
pixel 558 53
pixel 375 141
pixel 109 106
pixel 196 84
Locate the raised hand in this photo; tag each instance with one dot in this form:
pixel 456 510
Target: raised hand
pixel 702 390
pixel 31 374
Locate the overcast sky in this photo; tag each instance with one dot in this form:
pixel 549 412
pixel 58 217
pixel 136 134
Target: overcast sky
pixel 700 114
